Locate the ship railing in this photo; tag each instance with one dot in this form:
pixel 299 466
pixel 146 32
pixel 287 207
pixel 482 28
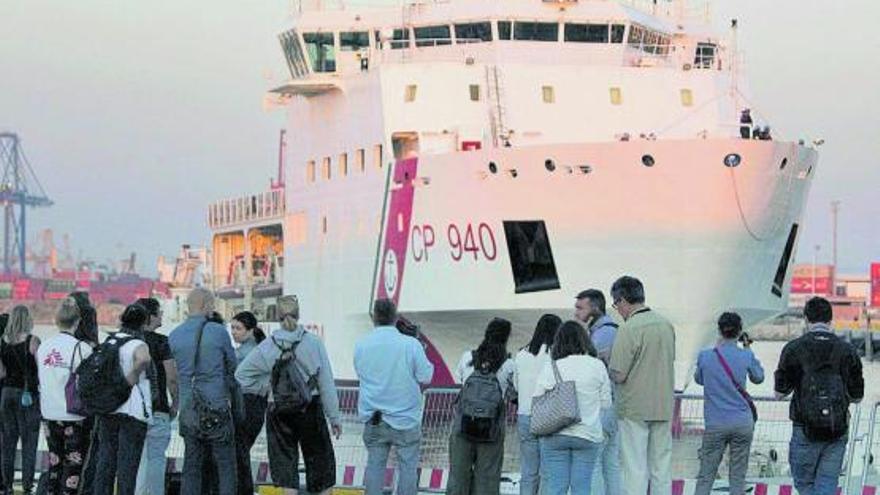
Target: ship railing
pixel 269 205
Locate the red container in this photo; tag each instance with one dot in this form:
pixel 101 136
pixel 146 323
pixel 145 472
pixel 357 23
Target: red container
pixel 875 285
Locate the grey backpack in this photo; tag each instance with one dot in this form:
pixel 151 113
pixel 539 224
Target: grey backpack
pixel 291 392
pixel 481 407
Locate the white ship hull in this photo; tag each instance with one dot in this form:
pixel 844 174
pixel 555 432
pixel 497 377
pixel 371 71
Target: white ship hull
pixel 704 239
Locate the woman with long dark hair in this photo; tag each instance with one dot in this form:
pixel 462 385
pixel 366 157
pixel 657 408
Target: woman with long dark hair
pixel 19 400
pixel 530 360
pixel 568 456
pixel 247 335
pixel 475 465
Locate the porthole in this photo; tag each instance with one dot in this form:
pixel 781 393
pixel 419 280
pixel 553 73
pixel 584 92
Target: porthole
pixel 513 173
pixel 783 164
pixel 732 160
pixel 549 165
pixel 648 160
pixel 493 167
pixel 585 169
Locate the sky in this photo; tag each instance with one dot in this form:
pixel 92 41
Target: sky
pixel 137 115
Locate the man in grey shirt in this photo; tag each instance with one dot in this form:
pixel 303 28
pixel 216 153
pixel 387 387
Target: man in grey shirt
pixel 215 380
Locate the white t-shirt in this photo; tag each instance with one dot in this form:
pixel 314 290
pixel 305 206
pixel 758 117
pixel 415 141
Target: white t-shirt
pixel 526 375
pixel 139 402
pixel 53 368
pixel 593 392
pixel 505 373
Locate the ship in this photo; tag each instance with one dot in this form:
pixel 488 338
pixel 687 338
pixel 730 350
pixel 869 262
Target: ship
pixel 472 159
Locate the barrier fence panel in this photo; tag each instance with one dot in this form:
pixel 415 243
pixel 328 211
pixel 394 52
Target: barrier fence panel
pixel 768 460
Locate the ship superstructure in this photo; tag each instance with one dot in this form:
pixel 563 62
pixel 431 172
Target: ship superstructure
pixel 480 158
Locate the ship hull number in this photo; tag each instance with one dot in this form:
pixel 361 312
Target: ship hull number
pixel 462 242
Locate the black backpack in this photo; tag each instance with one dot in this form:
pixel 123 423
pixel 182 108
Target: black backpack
pixel 481 407
pixel 100 382
pixel 291 392
pixel 823 400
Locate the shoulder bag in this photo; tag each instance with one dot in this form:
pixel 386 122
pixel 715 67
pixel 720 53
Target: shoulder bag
pixel 557 408
pixel 200 419
pixel 739 388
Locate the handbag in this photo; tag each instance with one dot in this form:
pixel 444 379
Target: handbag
pixel 201 419
pixel 71 396
pixel 745 395
pixel 557 409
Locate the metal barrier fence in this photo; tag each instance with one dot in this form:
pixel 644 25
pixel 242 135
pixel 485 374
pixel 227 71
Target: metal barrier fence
pixel 769 457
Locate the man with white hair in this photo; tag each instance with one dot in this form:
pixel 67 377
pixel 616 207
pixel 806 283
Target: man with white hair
pixel 207 380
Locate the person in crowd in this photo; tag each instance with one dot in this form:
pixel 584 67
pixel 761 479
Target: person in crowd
pixel 87 331
pixel 288 431
pixel 727 408
pixel 745 121
pixel 475 466
pixel 819 433
pixel 568 457
pixel 529 361
pixel 4 320
pixel 214 378
pixel 67 435
pixel 590 311
pixel 642 365
pixel 122 434
pixel 162 374
pixel 19 401
pixel 247 335
pixel 391 367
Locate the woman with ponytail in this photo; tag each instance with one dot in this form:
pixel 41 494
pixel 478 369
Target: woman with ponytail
pixel 247 335
pixel 306 429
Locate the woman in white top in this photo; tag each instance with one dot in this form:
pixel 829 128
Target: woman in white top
pixel 121 434
pixel 530 360
pixel 569 456
pixel 475 465
pixel 67 435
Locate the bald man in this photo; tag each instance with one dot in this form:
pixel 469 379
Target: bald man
pixel 214 382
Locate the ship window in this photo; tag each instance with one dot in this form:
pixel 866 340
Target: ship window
pixel 293 53
pixel 325 168
pixel 687 98
pixel 359 160
pixel 400 39
pixel 617 31
pixel 343 164
pixel 433 36
pixel 310 171
pixel 409 94
pixel 322 53
pixel 354 41
pixel 782 269
pixel 473 32
pixel 536 31
pixel 531 257
pixel 548 94
pixel 377 156
pixel 616 96
pixel 504 30
pixel 474 90
pixel 586 33
pixel 705 55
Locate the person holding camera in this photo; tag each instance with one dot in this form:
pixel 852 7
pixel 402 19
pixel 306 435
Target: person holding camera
pixel 390 366
pixel 728 409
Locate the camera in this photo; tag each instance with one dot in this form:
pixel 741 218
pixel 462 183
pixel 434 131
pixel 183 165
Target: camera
pixel 407 327
pixel 745 339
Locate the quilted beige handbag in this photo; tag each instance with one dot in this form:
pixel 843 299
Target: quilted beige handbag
pixel 556 409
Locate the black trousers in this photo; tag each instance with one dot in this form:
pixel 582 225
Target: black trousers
pixel 246 433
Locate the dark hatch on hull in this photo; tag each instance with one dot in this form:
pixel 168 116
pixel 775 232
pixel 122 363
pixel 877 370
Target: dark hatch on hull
pixel 531 257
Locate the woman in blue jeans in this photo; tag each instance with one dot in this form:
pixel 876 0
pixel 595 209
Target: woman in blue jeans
pixel 530 360
pixel 569 455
